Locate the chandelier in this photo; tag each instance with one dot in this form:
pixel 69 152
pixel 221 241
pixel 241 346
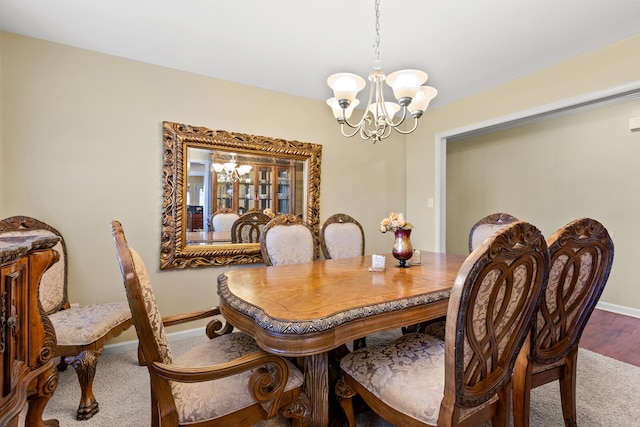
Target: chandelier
pixel 377 120
pixel 230 171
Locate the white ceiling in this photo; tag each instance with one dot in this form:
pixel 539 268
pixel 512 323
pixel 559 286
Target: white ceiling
pixel 292 46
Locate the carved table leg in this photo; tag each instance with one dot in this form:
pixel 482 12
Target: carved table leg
pixel 316 381
pixel 85 366
pixel 45 384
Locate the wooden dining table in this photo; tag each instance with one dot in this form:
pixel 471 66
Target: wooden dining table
pixel 312 308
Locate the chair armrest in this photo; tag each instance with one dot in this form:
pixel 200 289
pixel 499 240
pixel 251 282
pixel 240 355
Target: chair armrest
pixel 266 386
pixel 190 317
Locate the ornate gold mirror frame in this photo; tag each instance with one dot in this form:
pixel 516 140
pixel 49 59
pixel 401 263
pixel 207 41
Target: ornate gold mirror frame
pixel 175 252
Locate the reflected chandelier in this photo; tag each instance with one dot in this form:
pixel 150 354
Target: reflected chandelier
pixel 233 172
pixel 377 120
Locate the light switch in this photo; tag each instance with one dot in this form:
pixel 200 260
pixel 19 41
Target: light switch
pixel 430 202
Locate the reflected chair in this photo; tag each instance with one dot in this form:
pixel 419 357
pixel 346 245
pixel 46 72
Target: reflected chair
pixel 222 220
pixel 81 331
pixel 223 381
pixel 248 227
pixel 287 239
pixel 581 259
pixel 487 226
pixel 465 380
pixel 341 236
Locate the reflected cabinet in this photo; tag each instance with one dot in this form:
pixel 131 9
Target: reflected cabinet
pixel 267 183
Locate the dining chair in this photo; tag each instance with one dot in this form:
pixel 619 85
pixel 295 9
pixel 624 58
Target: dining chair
pixel 222 220
pixel 581 259
pixel 225 380
pixel 487 226
pixel 419 380
pixel 81 330
pixel 287 239
pixel 341 236
pixel 248 227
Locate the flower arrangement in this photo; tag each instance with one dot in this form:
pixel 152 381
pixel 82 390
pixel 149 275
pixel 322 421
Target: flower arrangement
pixel 395 221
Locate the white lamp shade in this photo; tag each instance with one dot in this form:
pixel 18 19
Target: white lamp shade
pixel 230 167
pixel 391 109
pixel 421 101
pixel 244 169
pixel 337 109
pixel 218 167
pixel 346 85
pixel 405 83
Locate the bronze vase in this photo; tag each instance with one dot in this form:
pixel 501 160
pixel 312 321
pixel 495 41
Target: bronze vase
pixel 402 248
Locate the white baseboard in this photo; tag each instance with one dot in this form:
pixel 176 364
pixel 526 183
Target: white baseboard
pixel 173 336
pixel 620 309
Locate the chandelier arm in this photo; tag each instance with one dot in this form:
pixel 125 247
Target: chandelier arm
pixel 400 121
pixel 349 135
pixel 415 126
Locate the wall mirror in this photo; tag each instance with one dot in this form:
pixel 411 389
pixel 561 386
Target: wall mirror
pixel 213 171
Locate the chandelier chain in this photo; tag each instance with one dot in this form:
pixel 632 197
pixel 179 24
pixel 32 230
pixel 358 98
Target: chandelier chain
pixel 377 64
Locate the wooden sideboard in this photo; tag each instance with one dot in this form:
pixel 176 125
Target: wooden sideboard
pixel 27 338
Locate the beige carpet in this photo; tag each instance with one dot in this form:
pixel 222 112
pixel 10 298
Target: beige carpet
pixel 607 394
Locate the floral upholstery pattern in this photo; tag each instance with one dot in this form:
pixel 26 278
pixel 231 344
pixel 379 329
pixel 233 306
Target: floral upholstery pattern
pixel 290 244
pixel 213 399
pixel 392 373
pixel 52 282
pixel 152 308
pixel 86 324
pixel 343 240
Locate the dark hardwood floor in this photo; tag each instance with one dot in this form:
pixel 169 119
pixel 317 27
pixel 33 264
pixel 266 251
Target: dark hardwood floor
pixel 613 335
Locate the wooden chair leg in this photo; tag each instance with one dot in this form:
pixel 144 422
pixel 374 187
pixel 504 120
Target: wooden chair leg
pixel 345 395
pixel 45 385
pixel 568 389
pixel 522 377
pixel 299 411
pixel 85 366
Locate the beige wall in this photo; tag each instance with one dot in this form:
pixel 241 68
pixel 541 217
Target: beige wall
pixel 82 145
pixel 609 67
pixel 550 173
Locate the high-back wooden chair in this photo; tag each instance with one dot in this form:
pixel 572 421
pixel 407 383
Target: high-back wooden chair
pixel 465 380
pixel 248 228
pixel 224 381
pixel 287 239
pixel 487 226
pixel 581 259
pixel 341 236
pixel 81 331
pixel 223 219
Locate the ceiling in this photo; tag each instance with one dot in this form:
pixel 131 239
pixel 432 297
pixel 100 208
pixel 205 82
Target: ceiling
pixel 292 46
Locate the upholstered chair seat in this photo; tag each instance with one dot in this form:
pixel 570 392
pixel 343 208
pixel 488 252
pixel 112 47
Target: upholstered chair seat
pixel 83 325
pixel 201 400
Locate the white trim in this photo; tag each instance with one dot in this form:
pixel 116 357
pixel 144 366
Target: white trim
pixel 616 94
pixel 619 309
pixel 171 337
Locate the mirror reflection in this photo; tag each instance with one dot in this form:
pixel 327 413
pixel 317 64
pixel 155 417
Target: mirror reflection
pixel 220 188
pixel 231 184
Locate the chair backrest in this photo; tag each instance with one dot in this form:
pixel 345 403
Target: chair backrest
pixel 248 227
pixel 487 226
pixel 581 259
pixel 53 284
pixel 287 239
pixel 223 219
pixel 492 302
pixel 341 236
pixel 144 310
